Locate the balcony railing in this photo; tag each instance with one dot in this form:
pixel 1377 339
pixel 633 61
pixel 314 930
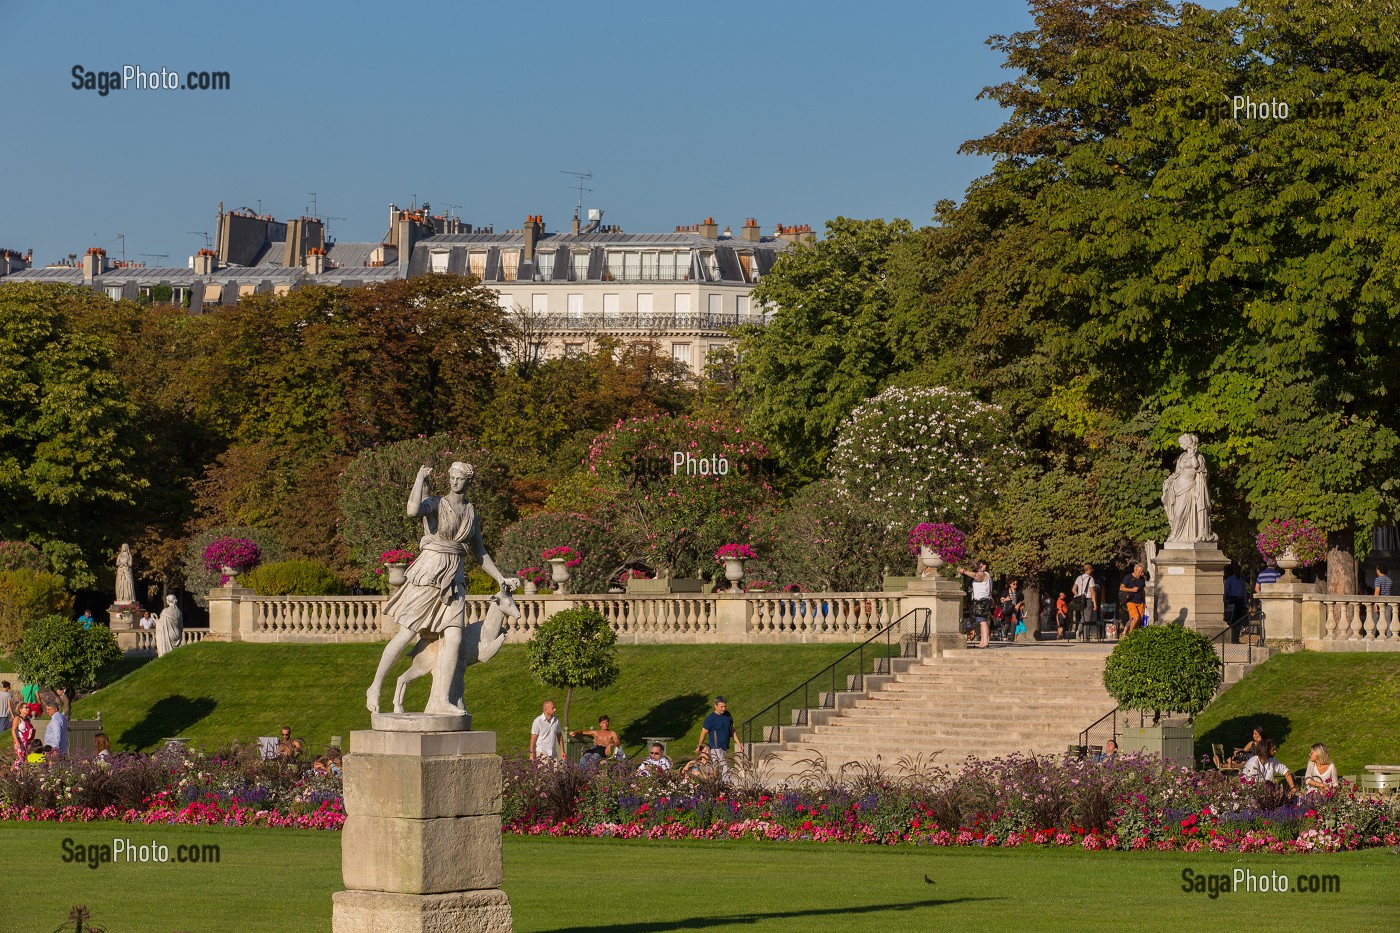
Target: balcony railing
pixel 633 321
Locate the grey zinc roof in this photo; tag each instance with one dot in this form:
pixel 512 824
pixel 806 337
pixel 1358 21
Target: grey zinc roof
pixel 693 240
pixel 348 255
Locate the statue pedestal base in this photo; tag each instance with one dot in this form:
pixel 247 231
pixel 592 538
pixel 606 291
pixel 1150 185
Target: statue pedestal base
pixel 421 847
pixel 1191 587
pixel 121 616
pixel 944 600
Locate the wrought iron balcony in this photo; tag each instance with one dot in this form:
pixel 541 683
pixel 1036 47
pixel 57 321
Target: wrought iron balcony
pixel 595 322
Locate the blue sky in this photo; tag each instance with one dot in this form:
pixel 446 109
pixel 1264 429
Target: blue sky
pixel 787 112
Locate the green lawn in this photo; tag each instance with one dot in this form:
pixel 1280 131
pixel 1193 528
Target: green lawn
pixel 214 692
pixel 282 880
pixel 1349 702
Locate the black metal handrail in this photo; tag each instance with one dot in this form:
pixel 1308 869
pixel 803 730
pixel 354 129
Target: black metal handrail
pixel 888 633
pixel 1252 632
pixel 1113 714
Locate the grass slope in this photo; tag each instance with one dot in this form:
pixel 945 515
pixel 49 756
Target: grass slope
pixel 276 880
pixel 215 692
pixel 1349 702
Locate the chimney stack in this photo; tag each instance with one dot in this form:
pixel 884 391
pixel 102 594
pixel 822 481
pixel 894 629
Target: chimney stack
pixel 709 229
pixel 750 232
pixel 94 263
pixel 534 228
pixel 205 262
pixel 316 260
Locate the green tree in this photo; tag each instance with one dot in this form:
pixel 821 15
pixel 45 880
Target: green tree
pixel 57 651
pixel 26 596
pixel 1163 669
pixel 830 541
pixel 601 555
pixel 573 648
pixel 828 346
pixel 68 431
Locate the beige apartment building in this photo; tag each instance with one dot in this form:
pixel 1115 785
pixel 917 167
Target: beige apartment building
pixel 687 289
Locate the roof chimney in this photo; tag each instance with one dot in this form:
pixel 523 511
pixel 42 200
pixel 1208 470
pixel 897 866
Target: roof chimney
pixel 315 260
pixel 94 263
pixel 534 227
pixel 205 262
pixel 709 229
pixel 750 231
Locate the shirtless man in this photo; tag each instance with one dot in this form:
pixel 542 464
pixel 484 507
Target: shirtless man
pixel 604 738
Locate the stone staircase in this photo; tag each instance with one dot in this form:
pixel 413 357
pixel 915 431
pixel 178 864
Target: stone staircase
pixel 1032 699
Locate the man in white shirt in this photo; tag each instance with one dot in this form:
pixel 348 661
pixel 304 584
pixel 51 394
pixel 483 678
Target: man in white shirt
pixel 547 734
pixel 1086 595
pixel 656 761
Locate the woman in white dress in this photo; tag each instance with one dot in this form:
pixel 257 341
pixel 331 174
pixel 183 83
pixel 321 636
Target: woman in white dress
pixel 1263 766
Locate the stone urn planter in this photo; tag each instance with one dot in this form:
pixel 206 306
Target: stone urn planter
pixel 734 569
pixel 397 573
pixel 929 559
pixel 1288 562
pixel 530 589
pixel 559 573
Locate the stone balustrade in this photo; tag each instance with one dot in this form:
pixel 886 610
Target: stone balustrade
pixel 1354 623
pixel 237 614
pixel 140 642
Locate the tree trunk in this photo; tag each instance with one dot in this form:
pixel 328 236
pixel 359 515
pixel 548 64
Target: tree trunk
pixel 1031 595
pixel 568 697
pixel 1341 563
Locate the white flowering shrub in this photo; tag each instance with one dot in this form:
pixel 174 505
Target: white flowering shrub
pixel 924 454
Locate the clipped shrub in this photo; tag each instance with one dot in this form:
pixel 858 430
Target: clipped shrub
pixel 21 555
pixel 1163 669
pixel 293 578
pixel 26 596
pixel 374 490
pixel 601 556
pixel 199 578
pixel 56 651
pixel 573 648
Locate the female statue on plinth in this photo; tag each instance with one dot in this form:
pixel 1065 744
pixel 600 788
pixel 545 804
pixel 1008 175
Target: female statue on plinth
pixel 126 582
pixel 1186 498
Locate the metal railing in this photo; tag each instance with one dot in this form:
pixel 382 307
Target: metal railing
pixel 1241 644
pixel 1114 729
pixel 893 643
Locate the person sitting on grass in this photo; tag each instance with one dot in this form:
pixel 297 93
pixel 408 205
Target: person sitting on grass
pixel 101 747
pixel 1241 755
pixel 700 768
pixel 656 761
pixel 333 762
pixel 1263 766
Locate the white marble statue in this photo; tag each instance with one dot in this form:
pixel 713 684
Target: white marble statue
pixel 431 605
pixel 1186 498
pixel 126 583
pixel 170 627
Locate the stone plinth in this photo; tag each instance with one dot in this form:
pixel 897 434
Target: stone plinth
pixel 1284 613
pixel 1191 587
pixel 944 598
pixel 421 847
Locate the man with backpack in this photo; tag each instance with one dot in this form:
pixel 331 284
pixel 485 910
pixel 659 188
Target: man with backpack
pixel 1085 601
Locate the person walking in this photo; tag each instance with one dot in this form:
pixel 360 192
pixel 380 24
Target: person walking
pixel 1132 592
pixel 715 734
pixel 981 600
pixel 1084 599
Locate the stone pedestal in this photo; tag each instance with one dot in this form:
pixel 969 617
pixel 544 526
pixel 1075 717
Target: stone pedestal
pixel 1284 612
pixel 121 617
pixel 944 598
pixel 1191 587
pixel 421 847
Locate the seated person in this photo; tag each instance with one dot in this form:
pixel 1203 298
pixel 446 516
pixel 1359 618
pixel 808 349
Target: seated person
pixel 1109 753
pixel 1241 755
pixel 605 740
pixel 1263 766
pixel 38 752
pixel 700 767
pixel 656 761
pixel 1321 773
pixel 319 766
pixel 333 759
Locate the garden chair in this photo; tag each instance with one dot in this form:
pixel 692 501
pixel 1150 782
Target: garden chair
pixel 267 747
pixel 1222 763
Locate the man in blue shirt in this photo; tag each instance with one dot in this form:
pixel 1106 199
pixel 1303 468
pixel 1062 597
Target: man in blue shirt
pixel 1382 581
pixel 1270 574
pixel 716 732
pixel 56 734
pixel 86 618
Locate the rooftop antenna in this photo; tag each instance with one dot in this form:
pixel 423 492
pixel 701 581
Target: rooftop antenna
pixel 450 207
pixel 328 218
pixel 207 243
pixel 155 255
pixel 122 237
pixel 582 178
pixel 313 204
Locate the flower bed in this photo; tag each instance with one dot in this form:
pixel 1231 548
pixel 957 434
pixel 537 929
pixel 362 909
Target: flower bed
pixel 1133 804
